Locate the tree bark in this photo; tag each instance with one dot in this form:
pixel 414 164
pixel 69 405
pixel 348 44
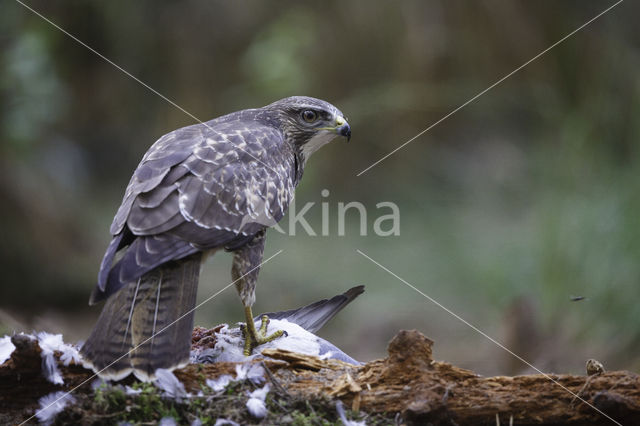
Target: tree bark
pixel 407 386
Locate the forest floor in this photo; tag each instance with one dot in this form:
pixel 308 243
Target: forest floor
pixel 406 387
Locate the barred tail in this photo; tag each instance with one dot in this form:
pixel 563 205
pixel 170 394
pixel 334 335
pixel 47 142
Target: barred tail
pixel 147 324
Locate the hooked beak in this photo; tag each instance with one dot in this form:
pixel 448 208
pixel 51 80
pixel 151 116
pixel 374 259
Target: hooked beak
pixel 343 128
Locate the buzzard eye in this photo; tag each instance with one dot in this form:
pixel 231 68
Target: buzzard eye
pixel 309 116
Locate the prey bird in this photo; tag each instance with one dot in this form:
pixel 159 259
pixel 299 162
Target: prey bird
pixel 300 324
pixel 207 187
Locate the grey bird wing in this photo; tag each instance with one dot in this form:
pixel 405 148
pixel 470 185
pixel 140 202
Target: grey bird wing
pixel 198 188
pixel 312 317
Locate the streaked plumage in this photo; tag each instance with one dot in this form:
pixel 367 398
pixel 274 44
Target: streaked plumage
pixel 216 185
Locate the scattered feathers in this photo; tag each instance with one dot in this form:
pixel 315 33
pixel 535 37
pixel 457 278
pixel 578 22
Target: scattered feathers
pixel 167 421
pixel 128 390
pixel 169 384
pixel 220 383
pixel 343 417
pixel 52 404
pixel 246 371
pixel 256 406
pixel 50 369
pixel 98 383
pixel 49 344
pixel 225 422
pixel 253 372
pixel 6 349
pixel 70 354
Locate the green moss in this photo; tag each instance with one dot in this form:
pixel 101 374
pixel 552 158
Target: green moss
pixel 110 404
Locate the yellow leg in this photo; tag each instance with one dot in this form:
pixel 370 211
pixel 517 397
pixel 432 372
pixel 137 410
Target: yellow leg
pixel 253 337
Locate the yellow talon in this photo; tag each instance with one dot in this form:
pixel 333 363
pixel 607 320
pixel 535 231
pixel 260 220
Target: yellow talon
pixel 253 337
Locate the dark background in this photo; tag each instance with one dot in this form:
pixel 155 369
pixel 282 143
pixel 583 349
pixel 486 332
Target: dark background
pixel 521 200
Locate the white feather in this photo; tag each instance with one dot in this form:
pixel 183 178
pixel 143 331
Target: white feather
pixel 52 404
pixel 224 422
pixel 343 417
pixel 49 343
pixel 256 406
pixel 220 383
pixel 6 349
pixel 316 142
pixel 167 421
pixel 169 383
pixel 128 390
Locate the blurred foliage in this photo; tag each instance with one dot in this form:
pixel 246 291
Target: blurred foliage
pixel 522 199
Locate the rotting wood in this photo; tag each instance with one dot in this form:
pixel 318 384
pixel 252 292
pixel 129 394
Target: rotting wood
pixel 408 382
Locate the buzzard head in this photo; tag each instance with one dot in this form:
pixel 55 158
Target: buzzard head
pixel 309 123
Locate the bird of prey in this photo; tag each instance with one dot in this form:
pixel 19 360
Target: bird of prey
pixel 212 186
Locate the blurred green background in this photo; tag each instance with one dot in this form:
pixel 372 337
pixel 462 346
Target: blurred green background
pixel 523 199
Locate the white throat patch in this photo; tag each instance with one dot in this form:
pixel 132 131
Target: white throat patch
pixel 316 142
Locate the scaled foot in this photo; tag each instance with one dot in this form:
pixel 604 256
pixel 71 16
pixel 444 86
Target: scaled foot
pixel 253 337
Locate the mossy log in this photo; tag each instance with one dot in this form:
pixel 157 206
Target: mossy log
pixel 407 387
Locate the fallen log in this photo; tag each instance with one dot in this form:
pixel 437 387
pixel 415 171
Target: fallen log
pixel 406 387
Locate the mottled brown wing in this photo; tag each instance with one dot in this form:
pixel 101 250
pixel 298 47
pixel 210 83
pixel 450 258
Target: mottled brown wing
pixel 198 188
